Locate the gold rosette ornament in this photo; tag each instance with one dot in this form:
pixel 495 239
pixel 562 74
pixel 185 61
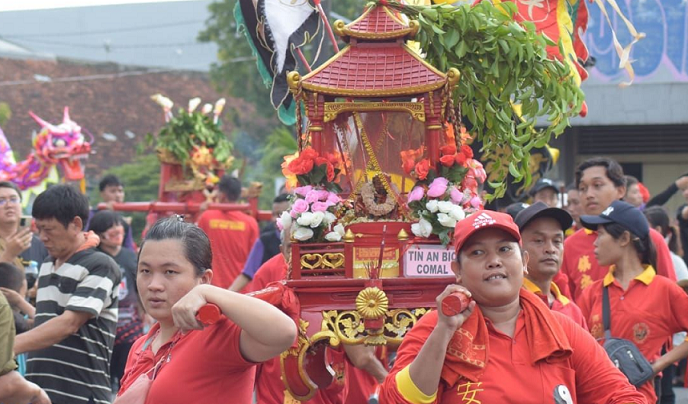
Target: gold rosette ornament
pixel 371 303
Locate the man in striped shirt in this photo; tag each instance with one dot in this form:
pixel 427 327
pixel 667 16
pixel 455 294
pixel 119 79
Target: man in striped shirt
pixel 76 305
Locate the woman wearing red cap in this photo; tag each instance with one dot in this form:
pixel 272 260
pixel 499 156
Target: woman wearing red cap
pixel 643 308
pixel 506 346
pixel 187 361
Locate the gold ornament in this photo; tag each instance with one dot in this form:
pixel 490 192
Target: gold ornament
pixel 371 303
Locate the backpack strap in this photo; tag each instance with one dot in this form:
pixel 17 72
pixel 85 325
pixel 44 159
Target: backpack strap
pixel 605 312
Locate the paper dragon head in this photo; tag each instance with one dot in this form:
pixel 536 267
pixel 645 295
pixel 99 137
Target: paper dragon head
pixel 63 145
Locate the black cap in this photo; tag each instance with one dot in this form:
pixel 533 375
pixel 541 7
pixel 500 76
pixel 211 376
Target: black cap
pixel 622 213
pixel 540 209
pixel 541 184
pixel 515 208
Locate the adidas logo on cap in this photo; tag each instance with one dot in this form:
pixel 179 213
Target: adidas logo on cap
pixel 483 220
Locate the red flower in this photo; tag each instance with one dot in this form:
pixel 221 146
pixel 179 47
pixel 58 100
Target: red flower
pixel 300 165
pixel 334 159
pixel 308 153
pixel 448 149
pixel 461 159
pixel 408 158
pixel 467 151
pixel 329 167
pixel 447 160
pixel 407 165
pixel 422 169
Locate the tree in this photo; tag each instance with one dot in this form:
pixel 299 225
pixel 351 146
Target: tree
pixel 5 113
pixel 279 143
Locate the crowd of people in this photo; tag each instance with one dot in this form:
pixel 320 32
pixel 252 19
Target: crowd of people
pixel 87 316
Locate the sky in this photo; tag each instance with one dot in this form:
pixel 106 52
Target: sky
pixel 8 5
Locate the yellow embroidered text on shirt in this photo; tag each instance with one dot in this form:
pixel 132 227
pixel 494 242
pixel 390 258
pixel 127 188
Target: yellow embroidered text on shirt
pixel 467 391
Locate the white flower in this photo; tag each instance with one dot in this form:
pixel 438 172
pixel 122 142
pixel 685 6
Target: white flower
pixel 163 101
pixel 329 218
pixel 305 219
pixel 457 213
pixel 339 229
pixel 317 219
pixel 301 233
pixel 432 206
pixel 446 220
pixel 333 236
pixel 444 206
pixel 207 108
pixel 219 105
pixel 422 229
pixel 285 219
pixel 193 104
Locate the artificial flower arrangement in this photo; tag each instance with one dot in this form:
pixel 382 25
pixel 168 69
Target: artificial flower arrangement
pixel 444 194
pixel 315 203
pixel 193 139
pixel 307 167
pixel 312 215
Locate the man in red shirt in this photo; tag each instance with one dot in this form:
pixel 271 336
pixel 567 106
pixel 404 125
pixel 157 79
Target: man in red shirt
pixel 231 234
pixel 600 182
pixel 542 232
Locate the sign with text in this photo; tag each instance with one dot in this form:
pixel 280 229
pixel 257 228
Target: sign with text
pixel 428 261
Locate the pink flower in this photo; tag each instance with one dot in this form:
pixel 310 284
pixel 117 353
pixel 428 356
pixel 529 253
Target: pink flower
pixel 438 187
pixel 300 206
pixel 323 195
pixel 312 196
pixel 319 206
pixel 303 191
pixel 456 195
pixel 333 198
pixel 476 202
pixel 477 170
pixel 415 195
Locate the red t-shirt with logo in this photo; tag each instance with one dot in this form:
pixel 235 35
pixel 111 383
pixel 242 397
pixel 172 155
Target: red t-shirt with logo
pixel 584 377
pixel 648 313
pixel 201 367
pixel 231 235
pixel 582 269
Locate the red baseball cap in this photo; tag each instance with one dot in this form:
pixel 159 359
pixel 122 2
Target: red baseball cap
pixel 483 219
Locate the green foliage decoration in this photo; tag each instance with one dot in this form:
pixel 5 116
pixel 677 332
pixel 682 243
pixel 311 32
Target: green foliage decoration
pixel 187 130
pixel 502 62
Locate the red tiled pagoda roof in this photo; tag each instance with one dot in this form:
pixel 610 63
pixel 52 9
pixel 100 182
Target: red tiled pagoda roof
pixel 376 23
pixel 367 70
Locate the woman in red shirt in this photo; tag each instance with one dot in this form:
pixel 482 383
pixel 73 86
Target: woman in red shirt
pixel 191 362
pixel 644 308
pixel 506 346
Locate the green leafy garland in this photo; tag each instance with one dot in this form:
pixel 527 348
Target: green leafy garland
pixel 502 62
pixel 188 130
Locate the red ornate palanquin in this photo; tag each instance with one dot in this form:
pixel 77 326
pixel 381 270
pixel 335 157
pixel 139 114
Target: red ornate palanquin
pixel 373 99
pixel 179 193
